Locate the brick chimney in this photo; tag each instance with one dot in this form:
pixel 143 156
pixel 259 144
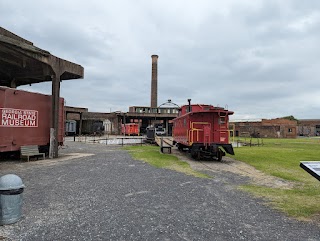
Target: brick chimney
pixel 154 82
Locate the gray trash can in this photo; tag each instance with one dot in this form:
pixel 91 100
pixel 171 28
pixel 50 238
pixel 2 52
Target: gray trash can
pixel 11 188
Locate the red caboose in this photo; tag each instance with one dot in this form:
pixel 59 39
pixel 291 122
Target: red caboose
pixel 130 129
pixel 25 120
pixel 204 130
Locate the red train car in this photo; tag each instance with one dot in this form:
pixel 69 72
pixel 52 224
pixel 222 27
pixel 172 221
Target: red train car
pixel 130 129
pixel 204 130
pixel 26 120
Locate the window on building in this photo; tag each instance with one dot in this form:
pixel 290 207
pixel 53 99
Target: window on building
pixel 290 130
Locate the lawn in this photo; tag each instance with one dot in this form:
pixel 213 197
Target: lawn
pixel 281 158
pixel 153 156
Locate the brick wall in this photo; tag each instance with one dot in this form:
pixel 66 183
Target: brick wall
pixel 308 128
pixel 274 128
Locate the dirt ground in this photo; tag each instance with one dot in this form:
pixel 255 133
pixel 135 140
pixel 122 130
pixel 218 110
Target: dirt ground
pixel 231 165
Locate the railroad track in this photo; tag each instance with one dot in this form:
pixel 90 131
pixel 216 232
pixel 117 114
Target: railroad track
pixel 165 143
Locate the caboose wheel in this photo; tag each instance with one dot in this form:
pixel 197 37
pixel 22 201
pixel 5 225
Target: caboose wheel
pixel 219 155
pixel 196 155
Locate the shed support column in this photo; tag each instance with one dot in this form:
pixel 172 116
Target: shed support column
pixel 53 153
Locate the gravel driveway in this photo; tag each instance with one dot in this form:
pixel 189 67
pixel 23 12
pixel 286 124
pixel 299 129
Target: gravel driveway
pixel 100 193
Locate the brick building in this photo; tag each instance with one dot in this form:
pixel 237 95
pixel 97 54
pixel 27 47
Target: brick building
pixel 309 127
pixel 273 128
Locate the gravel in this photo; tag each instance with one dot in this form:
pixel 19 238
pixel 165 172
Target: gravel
pixel 110 196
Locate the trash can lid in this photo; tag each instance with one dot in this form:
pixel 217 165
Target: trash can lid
pixel 10 181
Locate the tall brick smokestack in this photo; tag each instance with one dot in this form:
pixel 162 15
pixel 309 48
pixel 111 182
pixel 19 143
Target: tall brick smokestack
pixel 154 82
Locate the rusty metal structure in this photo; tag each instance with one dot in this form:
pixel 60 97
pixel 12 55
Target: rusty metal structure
pixel 22 63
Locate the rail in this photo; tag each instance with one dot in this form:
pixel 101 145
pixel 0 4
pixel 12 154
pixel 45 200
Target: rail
pixel 165 143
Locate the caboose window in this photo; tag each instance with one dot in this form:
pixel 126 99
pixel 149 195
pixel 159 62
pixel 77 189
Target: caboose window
pixel 184 122
pixel 222 120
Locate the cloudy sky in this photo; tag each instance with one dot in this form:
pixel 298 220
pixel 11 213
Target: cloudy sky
pixel 261 58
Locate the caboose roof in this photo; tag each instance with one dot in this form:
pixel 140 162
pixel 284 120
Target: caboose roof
pixel 204 108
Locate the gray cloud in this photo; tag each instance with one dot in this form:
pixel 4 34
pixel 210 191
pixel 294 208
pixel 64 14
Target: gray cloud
pixel 259 57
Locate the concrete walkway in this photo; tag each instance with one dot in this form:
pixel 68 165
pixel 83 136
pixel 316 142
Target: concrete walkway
pixel 98 192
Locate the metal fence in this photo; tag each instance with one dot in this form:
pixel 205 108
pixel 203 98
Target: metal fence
pixel 110 140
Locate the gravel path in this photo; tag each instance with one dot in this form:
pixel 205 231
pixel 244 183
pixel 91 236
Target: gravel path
pixel 100 193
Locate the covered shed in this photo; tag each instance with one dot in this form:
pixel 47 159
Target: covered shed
pixel 22 63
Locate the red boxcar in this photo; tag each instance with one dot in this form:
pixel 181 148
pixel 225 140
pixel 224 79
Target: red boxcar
pixel 130 129
pixel 26 120
pixel 204 130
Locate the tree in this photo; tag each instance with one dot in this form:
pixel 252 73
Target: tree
pixel 290 117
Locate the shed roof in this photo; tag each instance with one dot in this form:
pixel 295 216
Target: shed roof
pixel 22 63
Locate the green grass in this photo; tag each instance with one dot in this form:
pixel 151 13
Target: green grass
pixel 281 158
pixel 153 156
pixel 300 203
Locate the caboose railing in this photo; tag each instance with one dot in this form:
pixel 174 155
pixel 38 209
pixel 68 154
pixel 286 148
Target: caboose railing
pixel 203 129
pixel 194 133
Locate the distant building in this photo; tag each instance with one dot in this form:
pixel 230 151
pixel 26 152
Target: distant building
pixel 152 116
pixel 93 122
pixel 274 128
pixel 110 123
pixel 309 127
